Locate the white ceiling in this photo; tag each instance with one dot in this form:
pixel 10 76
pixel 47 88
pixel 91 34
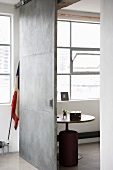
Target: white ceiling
pixel 86 6
pixel 83 5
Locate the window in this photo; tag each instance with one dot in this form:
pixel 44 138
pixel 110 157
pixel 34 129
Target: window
pixel 78 59
pixel 5 52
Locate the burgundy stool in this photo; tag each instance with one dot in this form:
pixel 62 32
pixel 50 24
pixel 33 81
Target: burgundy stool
pixel 68 148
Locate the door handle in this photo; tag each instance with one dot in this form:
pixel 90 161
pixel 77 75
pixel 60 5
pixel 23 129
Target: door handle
pixel 51 103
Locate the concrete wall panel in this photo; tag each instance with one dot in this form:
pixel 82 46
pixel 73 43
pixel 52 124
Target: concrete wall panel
pixel 37 84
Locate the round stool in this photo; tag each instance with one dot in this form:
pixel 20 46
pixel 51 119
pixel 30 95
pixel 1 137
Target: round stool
pixel 68 148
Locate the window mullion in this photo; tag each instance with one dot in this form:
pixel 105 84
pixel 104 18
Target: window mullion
pixel 85 73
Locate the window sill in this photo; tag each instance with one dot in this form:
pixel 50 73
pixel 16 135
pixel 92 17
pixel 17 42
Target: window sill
pixel 76 100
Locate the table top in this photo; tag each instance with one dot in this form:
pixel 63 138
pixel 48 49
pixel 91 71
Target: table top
pixel 84 118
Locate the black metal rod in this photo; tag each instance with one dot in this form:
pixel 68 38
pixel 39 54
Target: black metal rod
pixel 66 127
pixel 21 3
pixel 10 128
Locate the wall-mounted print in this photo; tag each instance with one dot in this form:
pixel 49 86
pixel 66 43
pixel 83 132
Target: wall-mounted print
pixel 64 96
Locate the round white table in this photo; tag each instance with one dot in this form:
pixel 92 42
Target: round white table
pixel 84 118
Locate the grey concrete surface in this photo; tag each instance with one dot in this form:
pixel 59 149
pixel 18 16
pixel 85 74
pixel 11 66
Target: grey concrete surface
pixel 38 127
pixel 90 160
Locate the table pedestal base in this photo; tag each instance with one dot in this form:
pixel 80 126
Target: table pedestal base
pixel 68 148
pixel 80 156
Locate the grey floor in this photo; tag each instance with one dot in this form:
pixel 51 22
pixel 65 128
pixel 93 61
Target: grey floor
pixel 90 160
pixel 14 162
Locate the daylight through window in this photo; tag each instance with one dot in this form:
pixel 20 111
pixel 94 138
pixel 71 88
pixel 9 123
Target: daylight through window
pixel 78 59
pixel 5 52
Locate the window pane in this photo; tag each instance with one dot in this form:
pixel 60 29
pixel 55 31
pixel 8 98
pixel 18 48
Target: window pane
pixel 4 59
pixel 86 61
pixel 63 85
pixel 63 34
pixel 4 30
pixel 85 35
pixel 63 60
pixel 4 89
pixel 85 86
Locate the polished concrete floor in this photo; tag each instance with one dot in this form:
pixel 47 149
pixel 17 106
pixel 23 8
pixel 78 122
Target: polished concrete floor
pixel 90 160
pixel 14 162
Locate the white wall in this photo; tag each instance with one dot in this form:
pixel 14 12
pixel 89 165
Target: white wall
pixel 106 80
pixel 5 110
pixel 89 107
